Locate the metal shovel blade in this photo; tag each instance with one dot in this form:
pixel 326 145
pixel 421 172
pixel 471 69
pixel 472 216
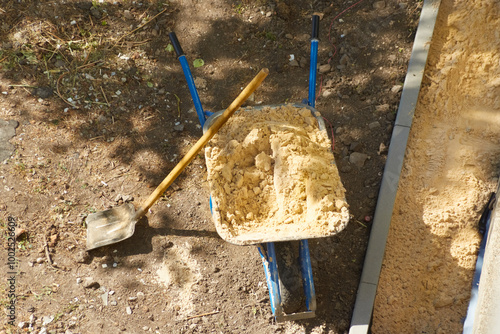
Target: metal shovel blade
pixel 110 226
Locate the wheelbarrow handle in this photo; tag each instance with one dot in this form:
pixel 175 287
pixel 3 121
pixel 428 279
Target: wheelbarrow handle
pixel 315 27
pixel 189 77
pixel 175 43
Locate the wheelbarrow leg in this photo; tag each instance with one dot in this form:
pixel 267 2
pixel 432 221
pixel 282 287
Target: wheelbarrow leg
pixel 307 276
pixel 269 261
pixel 268 255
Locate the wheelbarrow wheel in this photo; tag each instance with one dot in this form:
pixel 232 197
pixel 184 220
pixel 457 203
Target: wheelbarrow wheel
pixel 290 278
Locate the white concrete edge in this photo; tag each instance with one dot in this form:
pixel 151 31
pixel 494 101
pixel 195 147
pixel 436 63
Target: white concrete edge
pixel 365 299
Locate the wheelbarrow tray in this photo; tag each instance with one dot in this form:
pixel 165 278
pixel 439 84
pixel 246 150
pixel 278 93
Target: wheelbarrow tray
pixel 243 231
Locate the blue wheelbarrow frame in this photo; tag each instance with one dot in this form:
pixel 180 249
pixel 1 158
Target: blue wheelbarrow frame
pixel 267 251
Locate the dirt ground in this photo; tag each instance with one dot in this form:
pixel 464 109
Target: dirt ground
pixel 102 113
pixel 450 169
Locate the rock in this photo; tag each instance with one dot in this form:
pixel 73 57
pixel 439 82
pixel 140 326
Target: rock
pixel 358 159
pixel 379 5
pixel 179 127
pixel 200 83
pixel 19 232
pixel 356 146
pixel 327 93
pixel 128 15
pixel 82 257
pixel 40 260
pixel 43 331
pixel 113 303
pixel 78 280
pixel 289 36
pixel 303 62
pixel 294 63
pixel 43 92
pixel 324 68
pixel 345 169
pixel 90 283
pixel 382 108
pixel 374 125
pixel 344 60
pixel 396 89
pixel 128 310
pixel 22 324
pixel 104 298
pixel 382 149
pixel 47 319
pixel 127 198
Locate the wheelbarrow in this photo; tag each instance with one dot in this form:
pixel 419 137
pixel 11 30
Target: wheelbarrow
pixel 290 283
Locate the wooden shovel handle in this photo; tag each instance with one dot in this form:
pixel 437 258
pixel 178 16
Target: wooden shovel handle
pixel 174 173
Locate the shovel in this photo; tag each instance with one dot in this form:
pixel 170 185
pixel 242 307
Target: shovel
pixel 117 224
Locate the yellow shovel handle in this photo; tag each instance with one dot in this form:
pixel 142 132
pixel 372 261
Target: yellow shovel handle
pixel 174 173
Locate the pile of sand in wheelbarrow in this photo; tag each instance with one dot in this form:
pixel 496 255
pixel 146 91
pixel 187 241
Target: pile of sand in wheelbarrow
pixel 273 177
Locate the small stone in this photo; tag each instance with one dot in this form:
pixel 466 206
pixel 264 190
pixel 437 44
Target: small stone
pixel 344 60
pixel 379 5
pixel 374 125
pixel 113 303
pixel 327 93
pixel 82 257
pixel 356 146
pixel 90 283
pixel 79 280
pixel 132 299
pixel 382 149
pixel 127 198
pixel 358 159
pixel 179 127
pixel 128 310
pixel 345 169
pixel 22 324
pixel 403 5
pixel 40 260
pixel 294 63
pixel 324 68
pixel 47 319
pixel 43 331
pixel 396 89
pixel 289 36
pixel 140 295
pixel 382 108
pixel 391 299
pixel 128 15
pixel 19 232
pixel 104 298
pixel 200 83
